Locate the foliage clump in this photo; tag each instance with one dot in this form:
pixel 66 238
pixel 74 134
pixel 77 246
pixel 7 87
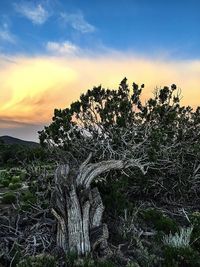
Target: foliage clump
pixel 9 198
pixel 38 261
pixel 159 221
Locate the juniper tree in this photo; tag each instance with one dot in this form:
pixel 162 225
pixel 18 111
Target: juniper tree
pixel 115 130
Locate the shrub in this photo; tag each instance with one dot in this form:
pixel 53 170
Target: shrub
pixel 23 175
pixel 9 198
pixel 159 221
pixel 27 196
pixel 5 182
pixel 14 186
pixel 73 260
pixel 195 238
pixel 104 264
pixel 38 261
pixel 177 250
pixel 4 174
pixel 132 264
pixel 180 239
pixel 15 179
pixel 179 257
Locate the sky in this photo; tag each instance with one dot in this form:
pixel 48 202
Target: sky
pixel 51 51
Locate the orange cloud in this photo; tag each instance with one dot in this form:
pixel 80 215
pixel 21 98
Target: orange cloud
pixel 34 86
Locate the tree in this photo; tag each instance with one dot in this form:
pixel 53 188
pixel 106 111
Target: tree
pixel 121 133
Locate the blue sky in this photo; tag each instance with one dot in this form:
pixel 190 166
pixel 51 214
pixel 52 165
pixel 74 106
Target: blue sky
pixel 143 26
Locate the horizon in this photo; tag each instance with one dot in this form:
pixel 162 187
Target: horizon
pixel 52 51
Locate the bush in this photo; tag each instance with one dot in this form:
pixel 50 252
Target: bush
pixel 38 261
pixel 159 221
pixel 23 175
pixel 14 186
pixel 180 239
pixel 195 221
pixel 181 257
pixel 73 260
pixel 15 179
pixel 27 196
pixel 9 198
pixel 4 174
pixel 5 182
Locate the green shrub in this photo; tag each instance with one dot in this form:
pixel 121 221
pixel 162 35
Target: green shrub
pixel 27 196
pixel 38 261
pixel 14 186
pixel 5 182
pixel 132 264
pixel 9 198
pixel 71 257
pixel 73 260
pixel 179 257
pixel 114 196
pixel 159 221
pixel 180 239
pixel 195 238
pixel 4 174
pixel 23 175
pixel 15 179
pixel 104 264
pixel 84 262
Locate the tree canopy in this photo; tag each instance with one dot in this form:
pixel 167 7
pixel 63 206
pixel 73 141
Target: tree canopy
pixel 117 124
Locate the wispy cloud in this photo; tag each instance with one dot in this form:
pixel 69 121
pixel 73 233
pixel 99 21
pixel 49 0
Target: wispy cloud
pixel 31 89
pixel 6 35
pixel 77 22
pixel 37 14
pixel 62 48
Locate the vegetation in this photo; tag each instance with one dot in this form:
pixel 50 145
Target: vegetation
pixel 114 174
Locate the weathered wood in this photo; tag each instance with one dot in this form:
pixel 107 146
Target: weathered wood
pixel 74 224
pixel 97 208
pixel 61 238
pixel 79 209
pixel 98 235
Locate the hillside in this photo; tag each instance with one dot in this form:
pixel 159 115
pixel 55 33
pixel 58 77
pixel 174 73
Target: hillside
pixel 12 141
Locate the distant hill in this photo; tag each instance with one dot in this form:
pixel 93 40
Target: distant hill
pixel 9 140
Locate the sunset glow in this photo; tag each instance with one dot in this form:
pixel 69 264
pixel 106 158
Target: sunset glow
pixel 49 69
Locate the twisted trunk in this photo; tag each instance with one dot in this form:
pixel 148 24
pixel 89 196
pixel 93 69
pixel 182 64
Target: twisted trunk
pixel 79 209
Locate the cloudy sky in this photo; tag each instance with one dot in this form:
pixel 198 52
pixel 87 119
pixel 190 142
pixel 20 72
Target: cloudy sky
pixel 53 50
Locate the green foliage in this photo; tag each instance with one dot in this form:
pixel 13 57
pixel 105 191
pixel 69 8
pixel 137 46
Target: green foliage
pixel 38 261
pixel 14 186
pixel 181 257
pixel 23 175
pixel 73 260
pixel 159 221
pixel 16 179
pixel 5 182
pixel 71 257
pixel 12 178
pixel 132 264
pixel 16 254
pixel 178 251
pixel 28 197
pixel 113 193
pixel 8 198
pixel 111 122
pixel 143 255
pixel 4 174
pixel 180 239
pixel 195 238
pixel 14 154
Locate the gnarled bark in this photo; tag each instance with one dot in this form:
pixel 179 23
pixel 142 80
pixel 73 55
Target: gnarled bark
pixel 79 209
